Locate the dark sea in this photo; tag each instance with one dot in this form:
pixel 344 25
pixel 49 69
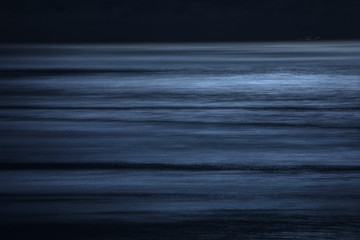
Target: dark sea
pixel 180 141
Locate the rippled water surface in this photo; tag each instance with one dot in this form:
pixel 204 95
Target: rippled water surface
pixel 181 141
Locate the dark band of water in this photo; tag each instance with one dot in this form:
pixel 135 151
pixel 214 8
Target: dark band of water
pixel 176 167
pixel 206 123
pixel 58 71
pixel 260 108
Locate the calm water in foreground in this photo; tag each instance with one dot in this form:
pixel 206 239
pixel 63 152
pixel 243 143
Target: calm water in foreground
pixel 180 141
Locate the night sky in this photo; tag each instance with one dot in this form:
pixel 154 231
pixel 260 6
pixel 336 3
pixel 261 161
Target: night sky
pixel 176 20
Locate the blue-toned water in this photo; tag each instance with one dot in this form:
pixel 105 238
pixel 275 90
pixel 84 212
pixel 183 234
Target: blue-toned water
pixel 181 141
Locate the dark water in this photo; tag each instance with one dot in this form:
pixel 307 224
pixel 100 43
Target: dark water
pixel 181 141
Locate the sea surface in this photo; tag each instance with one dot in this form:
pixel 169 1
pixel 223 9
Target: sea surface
pixel 180 141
